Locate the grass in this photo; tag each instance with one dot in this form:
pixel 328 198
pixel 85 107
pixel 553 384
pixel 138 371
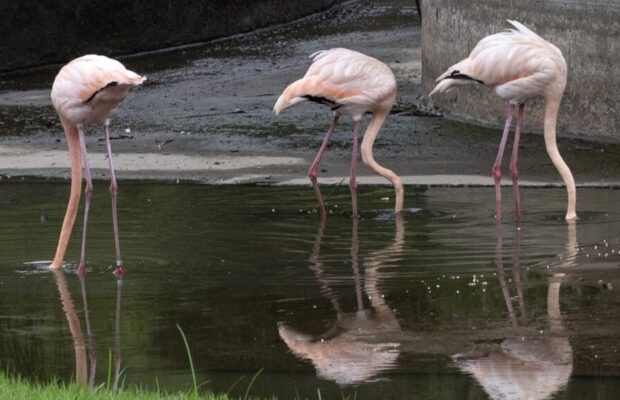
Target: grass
pixel 17 388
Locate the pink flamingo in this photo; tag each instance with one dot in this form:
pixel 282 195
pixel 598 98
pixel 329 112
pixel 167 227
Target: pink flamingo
pixel 86 91
pixel 349 83
pixel 520 65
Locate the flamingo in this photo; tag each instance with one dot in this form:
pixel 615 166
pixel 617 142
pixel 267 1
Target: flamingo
pixel 350 83
pixel 520 65
pixel 86 91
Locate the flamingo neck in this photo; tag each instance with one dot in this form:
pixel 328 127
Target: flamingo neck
pixel 75 153
pixel 552 106
pixel 378 117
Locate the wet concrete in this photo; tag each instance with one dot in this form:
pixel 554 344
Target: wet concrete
pixel 585 31
pixel 204 114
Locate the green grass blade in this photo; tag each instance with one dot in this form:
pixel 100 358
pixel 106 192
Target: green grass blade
pixel 247 391
pixel 189 356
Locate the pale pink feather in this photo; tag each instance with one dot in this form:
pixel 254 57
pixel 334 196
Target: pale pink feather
pixel 518 63
pixel 89 88
pixel 354 81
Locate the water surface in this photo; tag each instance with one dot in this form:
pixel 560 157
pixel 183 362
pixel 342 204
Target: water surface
pixel 441 303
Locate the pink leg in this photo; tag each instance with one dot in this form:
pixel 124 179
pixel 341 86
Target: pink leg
pixel 514 172
pixel 352 178
pixel 118 271
pixel 497 172
pixel 312 172
pixel 88 191
pixel 315 164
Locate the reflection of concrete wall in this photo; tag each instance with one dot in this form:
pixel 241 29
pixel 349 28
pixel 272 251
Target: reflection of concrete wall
pixel 35 32
pixel 587 32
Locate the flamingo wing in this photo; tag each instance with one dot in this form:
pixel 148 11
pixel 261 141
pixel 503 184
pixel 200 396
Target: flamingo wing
pixel 518 63
pixel 342 78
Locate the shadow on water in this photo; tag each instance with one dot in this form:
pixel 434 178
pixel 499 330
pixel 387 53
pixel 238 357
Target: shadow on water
pixel 440 303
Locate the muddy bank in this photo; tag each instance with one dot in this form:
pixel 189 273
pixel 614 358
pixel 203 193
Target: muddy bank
pixel 205 114
pixel 37 33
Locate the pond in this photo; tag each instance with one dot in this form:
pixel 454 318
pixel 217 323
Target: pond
pixel 440 303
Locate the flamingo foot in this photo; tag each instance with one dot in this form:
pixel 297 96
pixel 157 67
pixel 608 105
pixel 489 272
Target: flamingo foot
pixel 571 216
pixel 81 271
pixel 119 272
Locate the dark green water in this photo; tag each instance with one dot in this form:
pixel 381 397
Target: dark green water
pixel 441 304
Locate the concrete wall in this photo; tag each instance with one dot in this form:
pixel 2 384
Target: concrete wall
pixel 587 32
pixel 37 32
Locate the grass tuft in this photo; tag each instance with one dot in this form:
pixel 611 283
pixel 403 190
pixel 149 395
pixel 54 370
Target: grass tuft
pixel 17 388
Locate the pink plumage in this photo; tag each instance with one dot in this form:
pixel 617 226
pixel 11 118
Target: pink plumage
pixel 354 81
pixel 519 65
pixel 86 91
pixel 350 83
pixel 89 88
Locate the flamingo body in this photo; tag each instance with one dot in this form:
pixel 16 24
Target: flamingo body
pixel 86 91
pixel 519 65
pixel 350 83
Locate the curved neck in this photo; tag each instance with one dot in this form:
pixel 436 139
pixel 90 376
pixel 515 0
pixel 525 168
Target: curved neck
pixel 552 107
pixel 75 153
pixel 378 117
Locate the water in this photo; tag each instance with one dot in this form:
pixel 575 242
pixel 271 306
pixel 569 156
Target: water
pixel 441 303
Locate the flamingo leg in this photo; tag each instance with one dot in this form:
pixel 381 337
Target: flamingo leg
pixel 352 178
pixel 497 166
pixel 113 190
pixel 88 193
pixel 514 172
pixel 312 171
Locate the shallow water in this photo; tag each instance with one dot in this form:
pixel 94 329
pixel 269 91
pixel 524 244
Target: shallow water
pixel 441 303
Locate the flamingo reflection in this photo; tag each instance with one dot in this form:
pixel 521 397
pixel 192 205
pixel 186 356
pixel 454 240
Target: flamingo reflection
pixel 117 334
pixel 81 369
pixel 525 367
pixel 84 347
pixel 357 346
